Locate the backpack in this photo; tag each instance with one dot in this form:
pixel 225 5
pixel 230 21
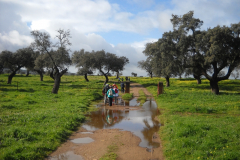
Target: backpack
pixel 110 93
pixel 116 90
pixel 106 89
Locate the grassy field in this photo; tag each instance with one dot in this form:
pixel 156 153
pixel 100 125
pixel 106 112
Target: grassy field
pixel 196 123
pixel 33 121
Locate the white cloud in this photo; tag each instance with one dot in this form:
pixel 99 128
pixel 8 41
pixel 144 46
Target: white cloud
pixel 213 13
pixel 85 16
pixel 13 38
pixel 40 24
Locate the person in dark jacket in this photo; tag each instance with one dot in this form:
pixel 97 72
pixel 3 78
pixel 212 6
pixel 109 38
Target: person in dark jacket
pixel 105 89
pixel 122 87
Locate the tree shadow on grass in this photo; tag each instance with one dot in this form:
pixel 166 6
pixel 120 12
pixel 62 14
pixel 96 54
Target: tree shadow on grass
pixel 26 90
pixel 8 85
pixel 231 82
pixel 15 89
pixel 48 81
pixel 229 87
pixel 187 79
pixel 199 86
pixel 150 84
pixel 44 84
pixel 227 93
pixel 7 90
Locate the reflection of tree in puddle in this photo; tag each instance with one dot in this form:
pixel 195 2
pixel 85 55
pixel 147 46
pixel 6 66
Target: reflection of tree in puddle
pixel 149 131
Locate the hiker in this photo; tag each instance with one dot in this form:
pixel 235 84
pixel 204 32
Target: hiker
pixel 114 84
pixel 122 87
pixel 119 79
pixel 110 93
pixel 105 89
pixel 116 94
pixel 122 79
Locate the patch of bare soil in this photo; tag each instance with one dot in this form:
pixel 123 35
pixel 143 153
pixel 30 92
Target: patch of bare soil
pixel 127 144
pixel 135 87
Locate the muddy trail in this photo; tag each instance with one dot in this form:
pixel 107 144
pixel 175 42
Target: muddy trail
pixel 126 129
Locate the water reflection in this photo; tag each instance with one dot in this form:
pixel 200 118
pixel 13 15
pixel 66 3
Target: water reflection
pixel 82 140
pixel 139 122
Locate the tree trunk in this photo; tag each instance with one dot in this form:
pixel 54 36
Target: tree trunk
pixel 199 81
pixel 214 86
pixel 105 75
pixel 41 74
pixel 167 81
pixel 106 81
pixel 57 81
pixel 27 73
pixel 117 76
pixel 10 77
pixel 85 76
pixel 51 75
pixel 151 74
pixel 198 78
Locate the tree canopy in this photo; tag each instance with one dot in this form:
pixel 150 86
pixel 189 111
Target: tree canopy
pixel 15 61
pixel 147 66
pixel 83 61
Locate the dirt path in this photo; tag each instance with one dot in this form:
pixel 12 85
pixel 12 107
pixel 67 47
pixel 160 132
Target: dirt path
pixel 127 144
pixel 135 87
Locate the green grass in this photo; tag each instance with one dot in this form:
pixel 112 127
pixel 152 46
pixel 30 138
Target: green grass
pixel 142 97
pixel 110 155
pixel 33 121
pixel 127 96
pixel 196 123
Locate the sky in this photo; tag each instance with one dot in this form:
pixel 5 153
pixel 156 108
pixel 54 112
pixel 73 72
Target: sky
pixel 122 27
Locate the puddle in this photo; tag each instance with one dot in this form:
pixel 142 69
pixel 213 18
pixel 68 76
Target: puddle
pixel 65 156
pixel 82 140
pixel 86 132
pixel 140 122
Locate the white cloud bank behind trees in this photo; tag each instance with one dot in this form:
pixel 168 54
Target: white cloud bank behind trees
pixel 89 20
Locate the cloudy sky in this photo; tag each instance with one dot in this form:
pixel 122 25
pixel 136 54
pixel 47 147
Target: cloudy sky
pixel 122 27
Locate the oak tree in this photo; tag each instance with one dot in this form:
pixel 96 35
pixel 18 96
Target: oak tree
pixel 15 61
pixel 147 66
pixel 83 61
pixel 58 53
